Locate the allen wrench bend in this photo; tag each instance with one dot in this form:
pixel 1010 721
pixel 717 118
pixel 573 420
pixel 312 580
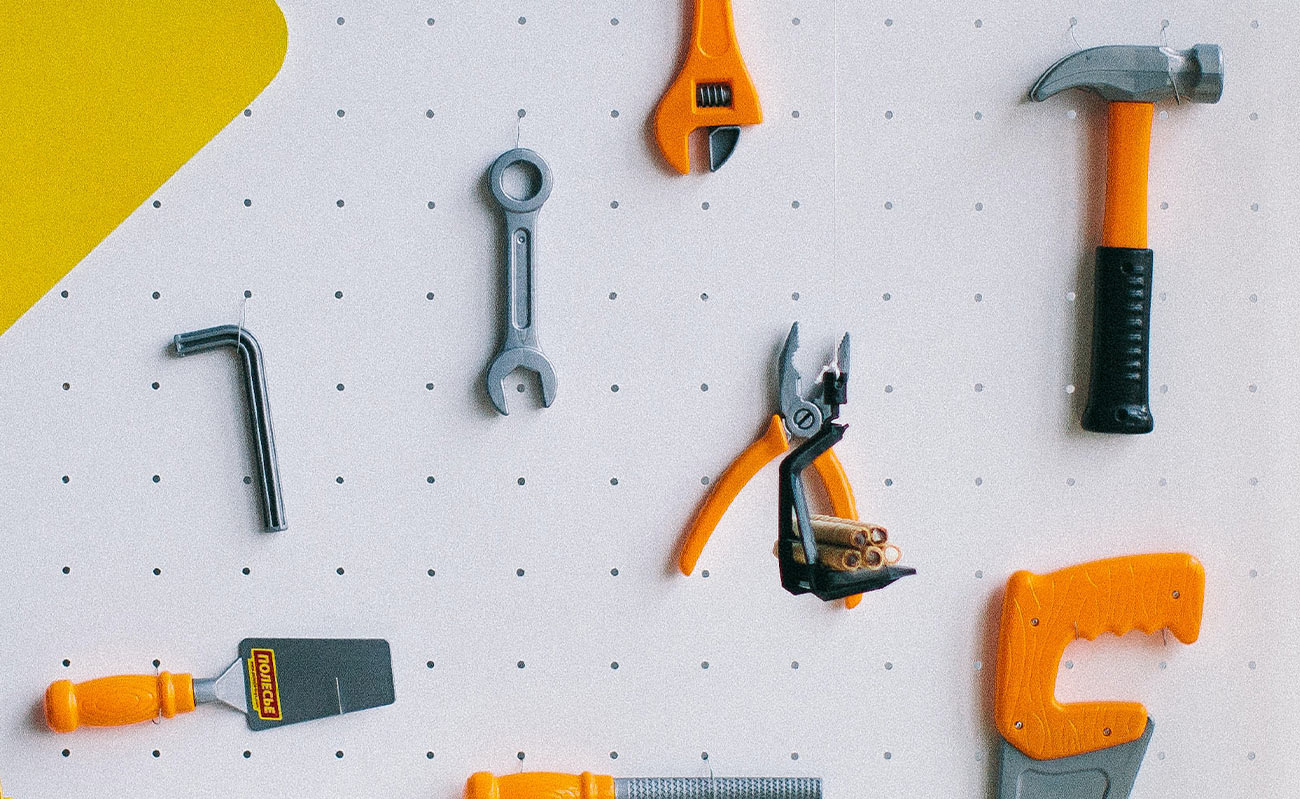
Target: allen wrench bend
pixel 259 413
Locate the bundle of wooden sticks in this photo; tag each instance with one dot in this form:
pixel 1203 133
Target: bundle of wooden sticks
pixel 848 545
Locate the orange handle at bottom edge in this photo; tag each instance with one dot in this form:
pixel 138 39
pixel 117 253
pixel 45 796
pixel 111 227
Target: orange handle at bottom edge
pixel 539 785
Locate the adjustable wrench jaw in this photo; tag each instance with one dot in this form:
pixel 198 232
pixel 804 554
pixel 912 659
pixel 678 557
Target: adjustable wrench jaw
pixel 713 90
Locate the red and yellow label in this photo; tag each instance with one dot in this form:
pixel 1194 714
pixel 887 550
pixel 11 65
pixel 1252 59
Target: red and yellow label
pixel 263 684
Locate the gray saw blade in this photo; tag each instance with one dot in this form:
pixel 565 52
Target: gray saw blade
pixel 1104 774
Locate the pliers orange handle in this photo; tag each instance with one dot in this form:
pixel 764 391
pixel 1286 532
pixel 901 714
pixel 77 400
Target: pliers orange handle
pixel 772 443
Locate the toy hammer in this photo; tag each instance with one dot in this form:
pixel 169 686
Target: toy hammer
pixel 1132 78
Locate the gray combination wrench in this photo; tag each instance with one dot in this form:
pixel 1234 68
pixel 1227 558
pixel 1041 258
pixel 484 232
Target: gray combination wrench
pixel 521 348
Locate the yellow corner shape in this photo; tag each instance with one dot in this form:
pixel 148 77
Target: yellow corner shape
pixel 100 102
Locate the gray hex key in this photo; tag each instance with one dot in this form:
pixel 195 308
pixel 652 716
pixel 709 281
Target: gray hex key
pixel 259 414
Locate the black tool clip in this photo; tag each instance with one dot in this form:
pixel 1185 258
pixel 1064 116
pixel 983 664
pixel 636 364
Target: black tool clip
pixel 795 525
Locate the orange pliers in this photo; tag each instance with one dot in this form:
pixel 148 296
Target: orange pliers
pixel 799 417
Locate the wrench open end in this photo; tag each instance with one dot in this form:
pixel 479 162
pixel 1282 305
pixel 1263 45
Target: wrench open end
pixel 527 358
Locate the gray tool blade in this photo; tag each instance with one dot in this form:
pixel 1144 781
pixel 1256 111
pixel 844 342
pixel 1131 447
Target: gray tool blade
pixel 1104 774
pixel 288 680
pixel 722 143
pixel 717 788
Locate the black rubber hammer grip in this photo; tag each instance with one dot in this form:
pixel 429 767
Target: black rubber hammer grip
pixel 1121 324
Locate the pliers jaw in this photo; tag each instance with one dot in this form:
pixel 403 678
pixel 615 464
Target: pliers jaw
pixel 803 416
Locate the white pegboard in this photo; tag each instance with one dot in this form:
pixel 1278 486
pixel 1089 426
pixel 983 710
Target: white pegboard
pixel 941 218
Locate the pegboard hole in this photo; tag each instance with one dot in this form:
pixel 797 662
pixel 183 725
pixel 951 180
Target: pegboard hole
pixel 520 481
pixel 794 203
pixel 1033 622
pixel 340 20
pixel 155 386
pixel 430 480
pixel 1250 665
pixel 246 570
pixel 428 114
pixel 67 663
pixel 248 481
pixel 704 574
pixel 432 573
pixel 156 753
pixel 705 387
pixel 794 664
pixel 65 479
pixel 248 112
pixel 704 297
pixel 704 755
pixel 430 22
pixel 1069 481
pixel 613 204
pixel 339 203
pixel 247 754
pixel 979 574
pixel 341 113
pixel 703 480
pixel 339 387
pixel 157 478
pixel 67 569
pixel 519 572
pixel 1069 664
pixel 519 755
pixel 889 481
pixel 66 752
pixel 979 387
pixel 889 389
pixel 523 21
pixel 794 114
pixel 613 113
pixel 156 663
pixel 979 481
pixel 613 21
pixel 64 294
pixel 979 665
pixel 614 665
pixel 889 115
pixel 520 664
pixel 157 572
pixel 613 755
pixel 339 570
pixel 613 572
pixel 339 479
pixel 979 115
pixel 889 755
pixel 794 21
pixel 979 206
pixel 613 481
pixel 428 755
pixel 429 664
pixel 248 203
pixel 705 205
pixel 889 666
pixel 428 386
pixel 704 664
pixel 794 295
pixel 614 388
pixel 339 754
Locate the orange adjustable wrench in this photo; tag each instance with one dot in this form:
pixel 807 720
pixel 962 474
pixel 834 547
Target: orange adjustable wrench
pixel 712 90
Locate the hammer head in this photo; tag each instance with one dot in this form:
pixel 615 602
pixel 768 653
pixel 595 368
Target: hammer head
pixel 1136 73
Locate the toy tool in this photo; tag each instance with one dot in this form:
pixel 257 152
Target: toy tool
pixel 520 349
pixel 799 417
pixel 713 91
pixel 259 412
pixel 805 568
pixel 546 785
pixel 1132 79
pixel 275 681
pixel 1083 750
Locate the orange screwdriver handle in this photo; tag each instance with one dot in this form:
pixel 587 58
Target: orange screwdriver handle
pixel 773 442
pixel 114 701
pixel 712 57
pixel 1043 613
pixel 539 785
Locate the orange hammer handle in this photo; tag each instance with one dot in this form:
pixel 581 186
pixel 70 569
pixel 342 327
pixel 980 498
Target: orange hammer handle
pixel 114 701
pixel 539 785
pixel 1043 613
pixel 1128 153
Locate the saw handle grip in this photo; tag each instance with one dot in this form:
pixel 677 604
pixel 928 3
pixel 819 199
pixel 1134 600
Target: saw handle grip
pixel 1121 320
pixel 539 785
pixel 115 701
pixel 1043 613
